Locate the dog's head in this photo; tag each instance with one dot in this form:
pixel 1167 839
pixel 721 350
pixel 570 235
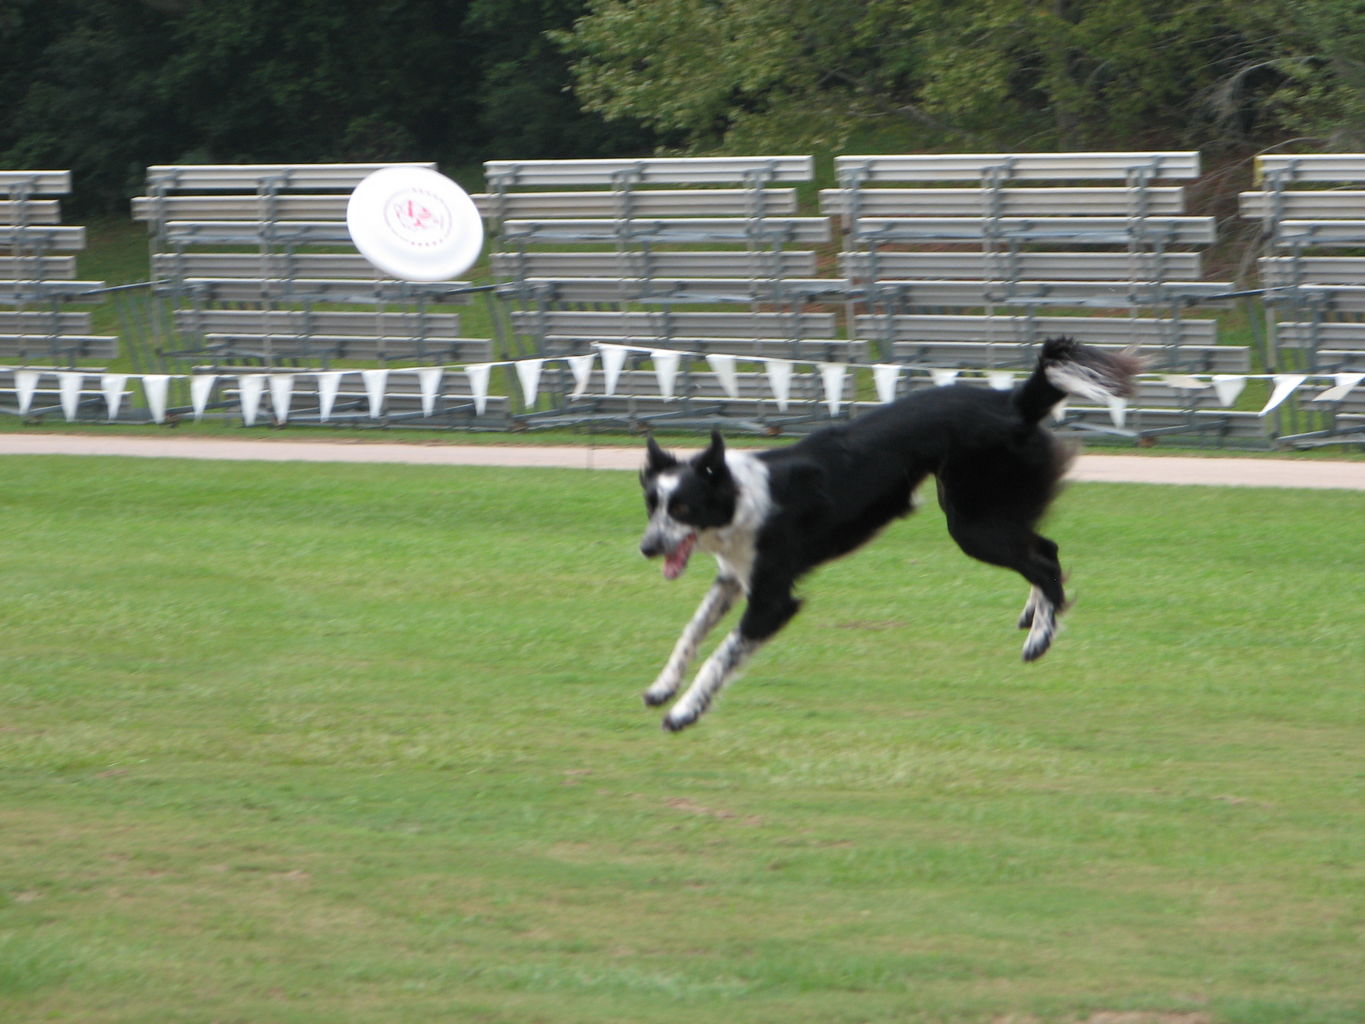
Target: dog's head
pixel 684 500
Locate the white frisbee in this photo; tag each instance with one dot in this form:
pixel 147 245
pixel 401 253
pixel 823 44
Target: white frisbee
pixel 414 224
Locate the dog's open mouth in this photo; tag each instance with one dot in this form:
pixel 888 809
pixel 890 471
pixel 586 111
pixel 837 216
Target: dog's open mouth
pixel 676 560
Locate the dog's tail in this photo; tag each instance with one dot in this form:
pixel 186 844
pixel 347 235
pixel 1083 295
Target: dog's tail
pixel 1066 367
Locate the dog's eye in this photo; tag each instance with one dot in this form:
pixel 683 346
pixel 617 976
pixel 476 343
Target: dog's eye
pixel 651 501
pixel 680 510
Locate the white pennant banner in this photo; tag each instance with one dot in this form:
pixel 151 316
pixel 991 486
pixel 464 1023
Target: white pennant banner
pixel 1285 385
pixel 581 367
pixel 1227 386
pixel 201 386
pixel 250 387
pixel 428 383
pixel 25 383
pixel 886 376
pixel 1345 384
pixel 1184 382
pixel 281 395
pixel 780 380
pixel 478 384
pixel 613 358
pixel 329 383
pixel 942 378
pixel 156 386
pixel 375 383
pixel 833 376
pixel 528 372
pixel 69 387
pixel 1118 410
pixel 112 385
pixel 723 367
pixel 667 362
pixel 665 370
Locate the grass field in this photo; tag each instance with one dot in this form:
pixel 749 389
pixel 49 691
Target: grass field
pixel 324 744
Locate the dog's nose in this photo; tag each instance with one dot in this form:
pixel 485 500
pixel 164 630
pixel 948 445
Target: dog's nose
pixel 651 548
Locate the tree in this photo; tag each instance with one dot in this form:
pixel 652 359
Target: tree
pixel 1067 74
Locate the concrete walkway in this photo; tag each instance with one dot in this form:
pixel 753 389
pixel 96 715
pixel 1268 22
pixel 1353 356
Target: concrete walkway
pixel 1131 468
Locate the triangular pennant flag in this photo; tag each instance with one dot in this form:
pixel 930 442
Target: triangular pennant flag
pixel 1000 380
pixel 429 382
pixel 281 394
pixel 581 367
pixel 1345 384
pixel 201 386
pixel 69 387
pixel 528 373
pixel 665 370
pixel 25 383
pixel 375 382
pixel 1184 382
pixel 249 387
pixel 478 384
pixel 112 386
pixel 1285 385
pixel 329 383
pixel 833 376
pixel 1118 410
pixel 886 376
pixel 723 367
pixel 155 386
pixel 780 380
pixel 1227 386
pixel 613 358
pixel 942 378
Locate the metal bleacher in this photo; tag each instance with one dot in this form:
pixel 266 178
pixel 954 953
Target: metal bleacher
pixel 1311 210
pixel 724 290
pixel 943 261
pixel 260 272
pixel 45 323
pixel 695 255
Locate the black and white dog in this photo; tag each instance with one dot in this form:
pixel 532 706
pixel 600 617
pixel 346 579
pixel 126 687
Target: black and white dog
pixel 771 516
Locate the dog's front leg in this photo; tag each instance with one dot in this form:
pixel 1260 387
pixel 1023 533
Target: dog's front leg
pixel 718 670
pixel 770 608
pixel 714 605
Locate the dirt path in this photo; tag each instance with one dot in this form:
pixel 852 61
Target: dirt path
pixel 1133 468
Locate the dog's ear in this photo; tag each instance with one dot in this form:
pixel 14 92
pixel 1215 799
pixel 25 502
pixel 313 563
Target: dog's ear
pixel 711 463
pixel 657 459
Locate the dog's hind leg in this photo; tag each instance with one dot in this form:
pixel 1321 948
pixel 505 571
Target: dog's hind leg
pixel 767 613
pixel 714 605
pixel 1014 546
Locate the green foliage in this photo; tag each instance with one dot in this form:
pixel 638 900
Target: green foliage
pixel 1009 74
pixel 106 87
pixel 363 743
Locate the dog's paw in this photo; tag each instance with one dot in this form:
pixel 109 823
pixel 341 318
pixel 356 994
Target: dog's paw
pixel 677 722
pixel 1041 632
pixel 661 691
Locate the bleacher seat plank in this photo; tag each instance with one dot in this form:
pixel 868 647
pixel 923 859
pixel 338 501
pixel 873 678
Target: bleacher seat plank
pixel 649 170
pixel 1013 202
pixel 1020 166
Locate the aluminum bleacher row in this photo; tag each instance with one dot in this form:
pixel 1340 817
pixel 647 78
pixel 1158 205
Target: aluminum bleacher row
pixel 932 262
pixel 929 263
pixel 44 310
pixel 1311 209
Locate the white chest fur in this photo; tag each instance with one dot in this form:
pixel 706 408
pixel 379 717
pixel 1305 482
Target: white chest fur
pixel 736 545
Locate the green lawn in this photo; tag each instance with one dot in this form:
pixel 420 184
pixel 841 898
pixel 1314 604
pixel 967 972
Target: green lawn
pixel 287 743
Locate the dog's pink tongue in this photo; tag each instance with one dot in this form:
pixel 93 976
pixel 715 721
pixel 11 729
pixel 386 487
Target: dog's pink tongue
pixel 676 562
